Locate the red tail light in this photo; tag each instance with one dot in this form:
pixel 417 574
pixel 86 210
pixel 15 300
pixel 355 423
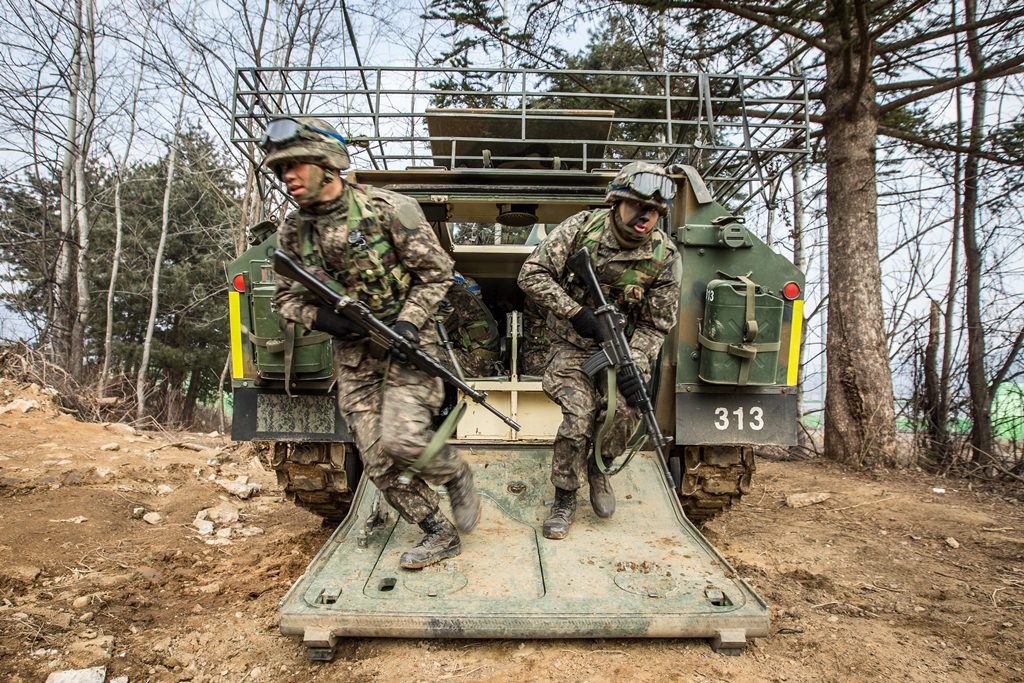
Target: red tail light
pixel 791 290
pixel 238 282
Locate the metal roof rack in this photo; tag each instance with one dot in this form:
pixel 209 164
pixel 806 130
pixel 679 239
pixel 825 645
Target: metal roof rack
pixel 741 131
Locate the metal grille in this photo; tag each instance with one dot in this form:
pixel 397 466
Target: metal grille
pixel 741 132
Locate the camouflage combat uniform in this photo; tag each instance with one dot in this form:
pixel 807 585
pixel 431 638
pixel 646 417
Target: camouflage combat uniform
pixel 536 341
pixel 643 283
pixel 472 329
pixel 381 251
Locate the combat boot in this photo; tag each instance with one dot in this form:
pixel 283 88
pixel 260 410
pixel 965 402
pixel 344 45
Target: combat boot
pixel 563 511
pixel 602 497
pixel 464 499
pixel 440 543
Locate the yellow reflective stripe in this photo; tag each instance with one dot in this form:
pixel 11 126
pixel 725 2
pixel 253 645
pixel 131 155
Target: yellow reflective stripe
pixel 235 321
pixel 793 367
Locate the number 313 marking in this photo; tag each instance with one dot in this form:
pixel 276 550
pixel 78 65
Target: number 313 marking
pixel 754 418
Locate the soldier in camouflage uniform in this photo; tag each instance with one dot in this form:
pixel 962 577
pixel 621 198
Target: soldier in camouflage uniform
pixel 374 246
pixel 639 268
pixel 472 329
pixel 536 340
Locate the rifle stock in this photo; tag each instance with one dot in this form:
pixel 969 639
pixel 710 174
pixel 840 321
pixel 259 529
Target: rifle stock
pixel 380 332
pixel 615 352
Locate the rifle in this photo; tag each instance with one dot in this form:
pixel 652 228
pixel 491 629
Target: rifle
pixel 615 353
pixel 380 333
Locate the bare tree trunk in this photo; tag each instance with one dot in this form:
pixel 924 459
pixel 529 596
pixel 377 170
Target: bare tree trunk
pixel 88 88
pixel 981 400
pixel 220 391
pixel 944 453
pixel 147 345
pixel 118 218
pixel 248 201
pixel 937 437
pixel 64 306
pixel 800 261
pixel 860 424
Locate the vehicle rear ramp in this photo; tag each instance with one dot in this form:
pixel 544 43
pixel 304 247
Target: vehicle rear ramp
pixel 645 573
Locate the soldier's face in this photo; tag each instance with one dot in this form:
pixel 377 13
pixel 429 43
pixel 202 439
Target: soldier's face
pixel 306 183
pixel 637 217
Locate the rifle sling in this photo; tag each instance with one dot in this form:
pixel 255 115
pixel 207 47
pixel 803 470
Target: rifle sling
pixel 436 443
pixel 607 468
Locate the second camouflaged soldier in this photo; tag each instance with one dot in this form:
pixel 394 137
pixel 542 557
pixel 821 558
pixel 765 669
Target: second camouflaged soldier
pixel 639 268
pixel 374 246
pixel 472 328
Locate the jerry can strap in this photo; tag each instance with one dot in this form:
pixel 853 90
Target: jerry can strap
pixel 748 350
pixel 287 346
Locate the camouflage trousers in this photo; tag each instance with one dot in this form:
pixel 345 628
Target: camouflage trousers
pixel 583 401
pixel 390 418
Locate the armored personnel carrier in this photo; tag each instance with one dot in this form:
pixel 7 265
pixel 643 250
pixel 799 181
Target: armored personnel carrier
pixel 492 180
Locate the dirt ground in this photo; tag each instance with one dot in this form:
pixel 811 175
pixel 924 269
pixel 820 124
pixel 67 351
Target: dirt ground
pixel 886 579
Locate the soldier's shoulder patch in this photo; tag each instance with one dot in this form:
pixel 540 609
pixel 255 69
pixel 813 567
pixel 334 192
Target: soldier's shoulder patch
pixel 409 214
pixel 405 209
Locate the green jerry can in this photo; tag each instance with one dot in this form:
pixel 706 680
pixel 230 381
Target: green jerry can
pixel 739 335
pixel 285 351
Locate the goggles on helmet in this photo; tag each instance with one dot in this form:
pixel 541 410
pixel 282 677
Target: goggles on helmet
pixel 646 184
pixel 282 131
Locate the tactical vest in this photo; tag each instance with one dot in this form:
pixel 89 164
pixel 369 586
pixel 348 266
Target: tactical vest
pixel 370 271
pixel 624 283
pixel 471 322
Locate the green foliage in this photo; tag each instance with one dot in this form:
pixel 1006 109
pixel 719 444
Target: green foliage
pixel 29 239
pixel 191 334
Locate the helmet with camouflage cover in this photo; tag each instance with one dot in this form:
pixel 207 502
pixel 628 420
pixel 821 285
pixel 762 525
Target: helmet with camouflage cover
pixel 304 139
pixel 645 183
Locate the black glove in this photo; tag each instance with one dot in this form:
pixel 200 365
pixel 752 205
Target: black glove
pixel 338 325
pixel 410 332
pixel 630 386
pixel 585 323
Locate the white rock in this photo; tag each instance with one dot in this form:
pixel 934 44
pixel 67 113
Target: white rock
pixel 225 532
pixel 239 486
pixel 937 489
pixel 251 531
pixel 952 543
pixel 164 489
pixel 119 679
pixel 138 512
pixel 799 500
pixel 224 513
pixel 73 520
pixel 110 447
pixel 19 404
pixel 94 675
pixel 81 602
pixel 121 427
pixel 218 541
pixel 103 472
pixel 152 517
pixel 203 526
